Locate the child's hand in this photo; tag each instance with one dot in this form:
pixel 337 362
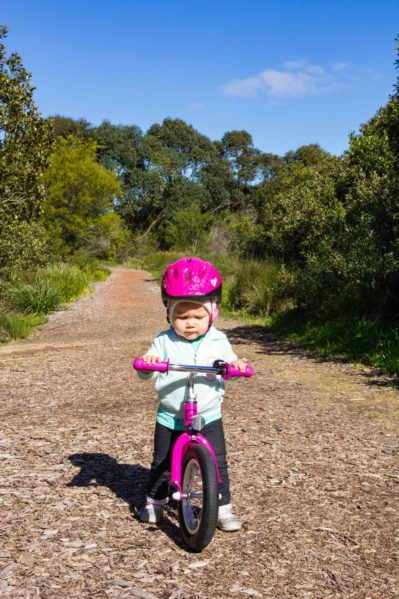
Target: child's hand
pixel 241 364
pixel 148 359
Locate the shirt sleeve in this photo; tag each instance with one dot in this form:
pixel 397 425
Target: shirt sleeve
pixel 156 349
pixel 229 354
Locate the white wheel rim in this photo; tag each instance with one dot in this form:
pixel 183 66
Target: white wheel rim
pixel 192 496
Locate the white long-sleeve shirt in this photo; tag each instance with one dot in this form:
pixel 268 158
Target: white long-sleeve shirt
pixel 171 387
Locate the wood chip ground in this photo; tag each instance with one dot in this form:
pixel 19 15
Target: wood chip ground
pixel 313 454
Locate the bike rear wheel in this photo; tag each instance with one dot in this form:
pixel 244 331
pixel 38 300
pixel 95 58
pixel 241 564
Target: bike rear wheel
pixel 198 509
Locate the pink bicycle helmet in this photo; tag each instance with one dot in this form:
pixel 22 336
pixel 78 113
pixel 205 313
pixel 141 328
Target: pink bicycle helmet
pixel 192 278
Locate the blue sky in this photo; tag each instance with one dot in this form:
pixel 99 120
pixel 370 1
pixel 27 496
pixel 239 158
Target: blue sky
pixel 290 73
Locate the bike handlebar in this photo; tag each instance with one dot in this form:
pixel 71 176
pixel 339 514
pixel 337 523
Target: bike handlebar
pixel 140 364
pixel 226 370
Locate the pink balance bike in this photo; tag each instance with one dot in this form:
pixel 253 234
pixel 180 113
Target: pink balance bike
pixel 194 469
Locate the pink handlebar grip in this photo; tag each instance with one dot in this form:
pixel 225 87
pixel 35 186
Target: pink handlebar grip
pixel 140 364
pixel 231 371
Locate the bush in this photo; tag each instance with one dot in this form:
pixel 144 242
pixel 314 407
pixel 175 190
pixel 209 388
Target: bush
pixel 188 228
pixel 18 326
pixel 346 336
pixel 157 262
pixel 41 292
pixel 77 212
pixel 107 238
pixel 22 247
pixel 70 281
pixel 93 268
pixel 259 288
pixel 40 297
pixel 48 288
pixel 136 263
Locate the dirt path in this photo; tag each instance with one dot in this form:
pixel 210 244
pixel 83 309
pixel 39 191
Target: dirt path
pixel 313 462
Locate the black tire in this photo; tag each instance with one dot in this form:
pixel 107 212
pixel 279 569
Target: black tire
pixel 198 522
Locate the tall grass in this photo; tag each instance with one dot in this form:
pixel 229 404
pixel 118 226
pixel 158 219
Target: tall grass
pixel 40 297
pixel 44 291
pixel 136 263
pixel 348 337
pixel 50 287
pixel 257 288
pixel 92 268
pixel 251 286
pixel 19 326
pixel 70 281
pixel 156 262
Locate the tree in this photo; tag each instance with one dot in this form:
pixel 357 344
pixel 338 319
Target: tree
pixel 178 149
pixel 248 166
pixel 177 156
pixel 120 148
pixel 357 270
pixel 310 155
pixel 298 208
pixel 188 228
pixel 243 157
pixel 25 144
pixel 64 125
pixel 80 192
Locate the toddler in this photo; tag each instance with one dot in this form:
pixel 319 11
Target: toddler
pixel 191 291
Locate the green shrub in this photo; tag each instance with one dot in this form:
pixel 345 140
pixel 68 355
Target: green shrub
pixel 100 274
pixel 225 263
pixel 40 297
pixel 259 288
pixel 70 281
pixel 156 262
pixel 44 291
pixel 40 292
pixel 134 263
pixel 347 336
pixel 18 326
pixel 188 228
pixel 92 267
pixel 22 247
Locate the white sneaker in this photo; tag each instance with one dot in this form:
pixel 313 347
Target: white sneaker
pixel 153 510
pixel 227 521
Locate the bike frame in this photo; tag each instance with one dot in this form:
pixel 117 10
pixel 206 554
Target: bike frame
pixel 191 435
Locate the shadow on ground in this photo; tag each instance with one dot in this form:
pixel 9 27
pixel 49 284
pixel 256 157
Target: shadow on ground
pixel 272 345
pixel 126 481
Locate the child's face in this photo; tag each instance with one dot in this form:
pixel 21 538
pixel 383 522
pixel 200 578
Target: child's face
pixel 190 320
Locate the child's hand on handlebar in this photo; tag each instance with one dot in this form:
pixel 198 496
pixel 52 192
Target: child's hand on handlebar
pixel 148 359
pixel 240 364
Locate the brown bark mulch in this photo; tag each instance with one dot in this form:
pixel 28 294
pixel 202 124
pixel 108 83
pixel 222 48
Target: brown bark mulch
pixel 313 454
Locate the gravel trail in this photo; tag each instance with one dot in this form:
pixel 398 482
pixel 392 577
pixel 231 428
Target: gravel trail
pixel 313 455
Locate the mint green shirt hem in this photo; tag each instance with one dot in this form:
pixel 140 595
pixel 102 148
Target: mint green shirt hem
pixel 177 424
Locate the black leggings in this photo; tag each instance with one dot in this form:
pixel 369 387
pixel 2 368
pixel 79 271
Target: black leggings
pixel 164 440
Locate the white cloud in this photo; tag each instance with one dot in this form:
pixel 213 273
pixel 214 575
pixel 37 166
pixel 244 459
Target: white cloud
pixel 243 87
pixel 196 106
pixel 340 67
pixel 303 65
pixel 294 79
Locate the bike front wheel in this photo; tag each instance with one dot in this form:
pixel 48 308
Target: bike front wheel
pixel 198 508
